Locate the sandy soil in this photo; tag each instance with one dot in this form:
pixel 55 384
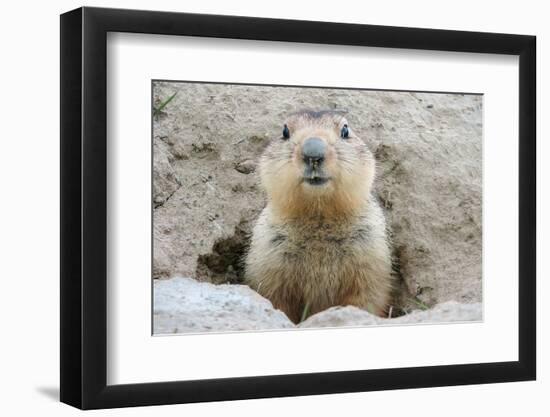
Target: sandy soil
pixel 429 154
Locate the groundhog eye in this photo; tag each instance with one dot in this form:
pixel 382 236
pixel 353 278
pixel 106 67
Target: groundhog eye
pixel 286 132
pixel 344 133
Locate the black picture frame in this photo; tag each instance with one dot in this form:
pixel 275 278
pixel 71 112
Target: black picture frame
pixel 84 207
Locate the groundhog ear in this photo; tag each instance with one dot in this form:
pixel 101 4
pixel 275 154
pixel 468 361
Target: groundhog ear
pixel 341 112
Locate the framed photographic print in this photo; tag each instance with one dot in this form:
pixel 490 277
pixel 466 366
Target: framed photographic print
pixel 257 208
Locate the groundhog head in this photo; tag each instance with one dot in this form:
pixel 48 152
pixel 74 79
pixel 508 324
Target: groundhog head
pixel 318 166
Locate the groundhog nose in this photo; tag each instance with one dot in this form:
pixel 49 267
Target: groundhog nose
pixel 313 150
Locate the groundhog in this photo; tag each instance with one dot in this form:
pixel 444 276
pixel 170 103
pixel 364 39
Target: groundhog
pixel 321 240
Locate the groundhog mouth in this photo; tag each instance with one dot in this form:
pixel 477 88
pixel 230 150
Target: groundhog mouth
pixel 316 180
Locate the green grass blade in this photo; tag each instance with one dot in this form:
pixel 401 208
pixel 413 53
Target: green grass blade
pixel 305 312
pixel 157 110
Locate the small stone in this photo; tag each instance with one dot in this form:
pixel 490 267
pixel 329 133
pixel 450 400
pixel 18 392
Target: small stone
pixel 245 167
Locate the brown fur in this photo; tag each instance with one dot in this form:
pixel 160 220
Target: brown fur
pixel 320 245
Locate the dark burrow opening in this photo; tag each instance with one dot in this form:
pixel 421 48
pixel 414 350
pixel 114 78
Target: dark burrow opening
pixel 225 263
pixel 398 305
